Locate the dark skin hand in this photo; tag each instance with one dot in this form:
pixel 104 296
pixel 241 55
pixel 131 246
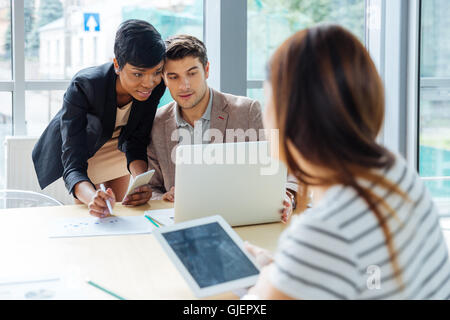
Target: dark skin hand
pixel 139 196
pixel 96 199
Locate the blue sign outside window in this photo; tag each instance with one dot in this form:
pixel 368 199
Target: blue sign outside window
pixel 92 22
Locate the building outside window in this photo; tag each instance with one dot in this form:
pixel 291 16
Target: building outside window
pixel 270 22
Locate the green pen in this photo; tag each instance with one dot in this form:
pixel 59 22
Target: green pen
pixel 104 290
pixel 151 220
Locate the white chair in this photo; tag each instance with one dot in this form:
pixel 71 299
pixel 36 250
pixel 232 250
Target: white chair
pixel 25 199
pixel 20 174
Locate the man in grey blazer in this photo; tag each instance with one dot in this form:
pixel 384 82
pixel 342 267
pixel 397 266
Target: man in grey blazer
pixel 199 114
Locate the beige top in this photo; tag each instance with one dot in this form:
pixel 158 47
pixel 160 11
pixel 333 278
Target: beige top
pixel 122 115
pixel 109 163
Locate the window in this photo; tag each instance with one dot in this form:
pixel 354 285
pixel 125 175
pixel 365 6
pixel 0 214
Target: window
pixel 5 74
pixel 59 38
pixel 42 106
pixel 270 22
pixel 63 37
pixel 81 33
pixel 434 107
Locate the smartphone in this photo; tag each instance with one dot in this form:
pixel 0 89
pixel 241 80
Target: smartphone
pixel 140 180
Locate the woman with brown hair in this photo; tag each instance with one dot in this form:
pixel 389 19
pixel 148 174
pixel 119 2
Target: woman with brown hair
pixel 373 231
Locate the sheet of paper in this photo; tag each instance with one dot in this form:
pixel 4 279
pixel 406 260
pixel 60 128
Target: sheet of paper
pixel 92 226
pixel 47 288
pixel 164 217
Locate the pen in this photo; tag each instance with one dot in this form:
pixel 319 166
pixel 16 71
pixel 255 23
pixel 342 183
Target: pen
pixel 102 186
pixel 104 290
pixel 151 220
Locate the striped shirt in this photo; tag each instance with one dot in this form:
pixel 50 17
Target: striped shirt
pixel 337 249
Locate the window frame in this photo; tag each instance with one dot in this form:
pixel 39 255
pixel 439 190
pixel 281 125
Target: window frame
pixel 413 84
pixel 19 85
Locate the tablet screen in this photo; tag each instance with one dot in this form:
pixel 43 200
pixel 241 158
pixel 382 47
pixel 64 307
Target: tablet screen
pixel 209 254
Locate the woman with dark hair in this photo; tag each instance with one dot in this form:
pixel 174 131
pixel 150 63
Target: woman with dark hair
pixel 373 231
pixel 102 131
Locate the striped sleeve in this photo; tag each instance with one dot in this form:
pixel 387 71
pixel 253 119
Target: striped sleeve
pixel 314 260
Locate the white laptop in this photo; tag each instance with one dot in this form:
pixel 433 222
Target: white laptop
pixel 239 181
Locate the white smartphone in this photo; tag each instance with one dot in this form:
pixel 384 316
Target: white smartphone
pixel 140 180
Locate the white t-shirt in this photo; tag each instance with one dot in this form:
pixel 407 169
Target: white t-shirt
pixel 337 250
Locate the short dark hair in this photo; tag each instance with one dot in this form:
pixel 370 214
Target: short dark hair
pixel 139 44
pixel 181 46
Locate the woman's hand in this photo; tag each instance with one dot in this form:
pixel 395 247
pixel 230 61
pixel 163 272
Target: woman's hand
pixel 262 256
pixel 170 195
pixel 139 196
pixel 97 206
pixel 264 289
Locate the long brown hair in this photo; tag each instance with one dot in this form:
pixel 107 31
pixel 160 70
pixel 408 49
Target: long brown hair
pixel 329 102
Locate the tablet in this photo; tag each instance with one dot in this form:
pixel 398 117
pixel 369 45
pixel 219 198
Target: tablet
pixel 140 180
pixel 209 255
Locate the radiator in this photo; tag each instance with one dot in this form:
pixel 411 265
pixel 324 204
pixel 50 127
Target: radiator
pixel 20 174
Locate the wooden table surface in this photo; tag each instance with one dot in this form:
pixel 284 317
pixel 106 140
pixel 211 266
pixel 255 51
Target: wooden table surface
pixel 132 266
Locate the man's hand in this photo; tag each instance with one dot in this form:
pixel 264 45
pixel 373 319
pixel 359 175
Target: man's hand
pixel 170 195
pixel 287 210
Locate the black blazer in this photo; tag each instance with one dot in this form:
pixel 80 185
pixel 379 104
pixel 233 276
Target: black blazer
pixel 86 122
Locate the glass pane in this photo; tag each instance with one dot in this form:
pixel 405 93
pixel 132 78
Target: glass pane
pixel 63 37
pixel 270 22
pixel 434 110
pixel 434 136
pixel 5 130
pixel 5 39
pixel 41 107
pixel 435 51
